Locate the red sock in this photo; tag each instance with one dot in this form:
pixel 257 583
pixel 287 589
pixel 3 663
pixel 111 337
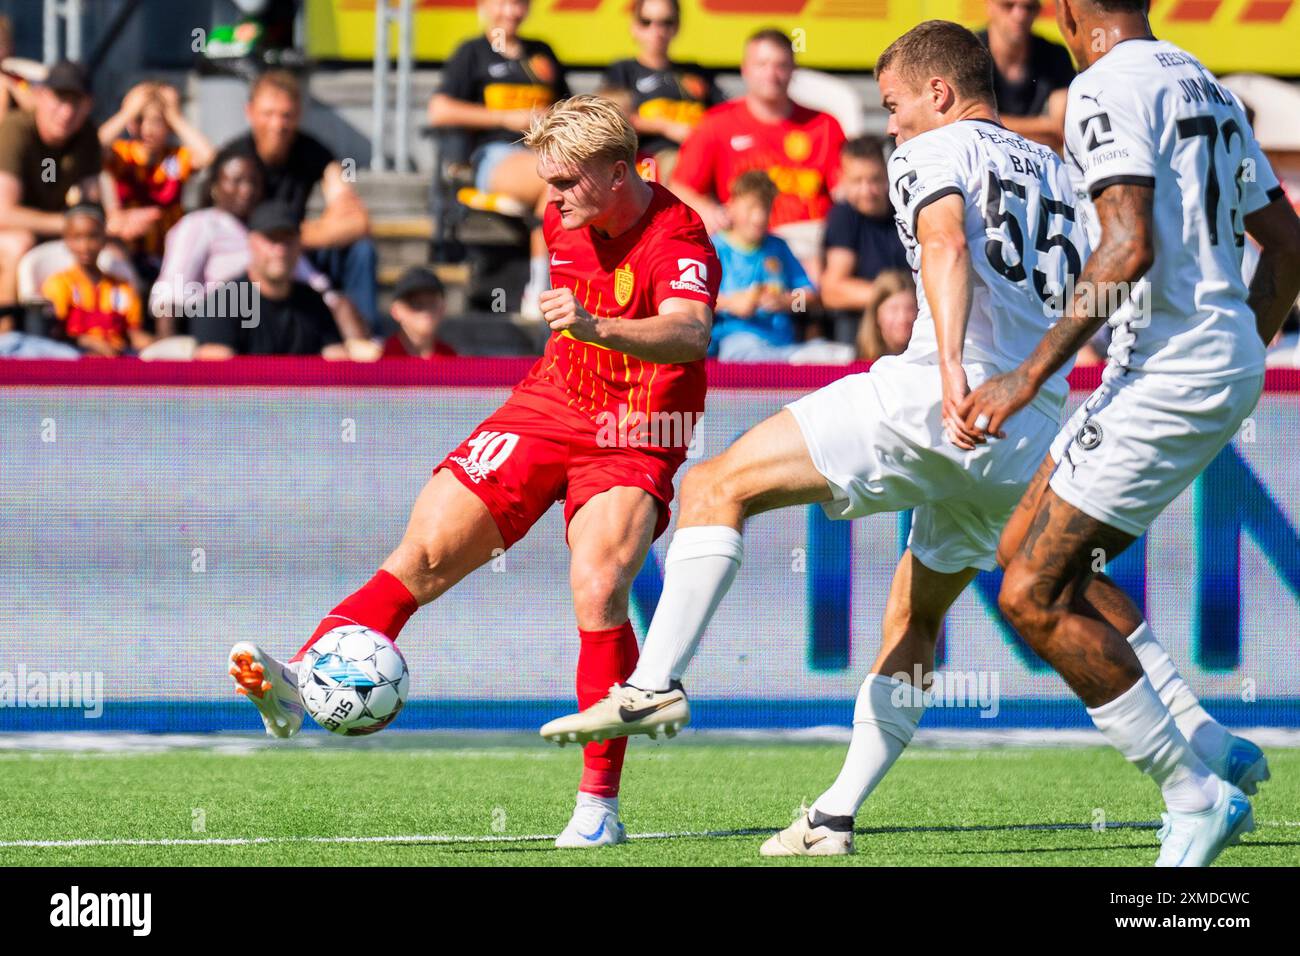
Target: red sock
pixel 382 604
pixel 606 658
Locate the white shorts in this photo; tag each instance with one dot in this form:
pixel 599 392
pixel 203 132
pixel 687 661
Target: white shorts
pixel 878 439
pixel 1136 443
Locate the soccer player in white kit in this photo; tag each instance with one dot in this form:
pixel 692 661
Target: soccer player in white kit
pixel 988 220
pixel 1176 177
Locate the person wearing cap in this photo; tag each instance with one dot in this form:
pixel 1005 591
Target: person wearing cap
pixel 419 305
pixel 97 311
pixel 50 159
pixel 293 163
pixel 267 311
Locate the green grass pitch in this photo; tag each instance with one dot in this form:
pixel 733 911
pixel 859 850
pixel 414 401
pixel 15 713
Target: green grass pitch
pixel 697 801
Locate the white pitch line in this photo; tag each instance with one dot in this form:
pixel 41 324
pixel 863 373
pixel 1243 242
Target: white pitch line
pixel 444 839
pixel 432 839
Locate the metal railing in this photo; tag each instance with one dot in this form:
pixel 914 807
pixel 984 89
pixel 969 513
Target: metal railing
pixel 387 14
pixel 70 12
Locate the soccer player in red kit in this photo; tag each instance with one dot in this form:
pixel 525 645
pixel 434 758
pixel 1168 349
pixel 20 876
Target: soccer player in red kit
pixel 634 279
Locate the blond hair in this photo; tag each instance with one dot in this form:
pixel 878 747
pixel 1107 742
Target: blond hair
pixel 582 128
pixel 281 80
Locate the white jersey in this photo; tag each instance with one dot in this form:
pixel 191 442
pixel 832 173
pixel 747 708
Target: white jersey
pixel 1148 113
pixel 1022 230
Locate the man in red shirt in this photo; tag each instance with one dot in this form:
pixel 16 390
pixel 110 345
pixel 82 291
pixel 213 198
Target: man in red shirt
pixel 603 421
pixel 765 129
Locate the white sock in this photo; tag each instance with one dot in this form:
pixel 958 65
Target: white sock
pixel 1210 740
pixel 591 800
pixel 1143 730
pixel 539 273
pixel 884 720
pixel 700 566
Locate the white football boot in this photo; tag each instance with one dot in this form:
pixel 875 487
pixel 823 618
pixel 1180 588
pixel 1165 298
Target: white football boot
pixel 1195 839
pixel 1244 766
pixel 622 712
pixel 825 836
pixel 591 825
pixel 270 685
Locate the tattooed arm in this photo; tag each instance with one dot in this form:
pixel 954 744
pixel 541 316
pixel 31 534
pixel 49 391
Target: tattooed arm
pixel 1276 283
pixel 1125 254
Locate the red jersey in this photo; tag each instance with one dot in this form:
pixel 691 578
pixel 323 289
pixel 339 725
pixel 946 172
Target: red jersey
pixel 393 348
pixel 142 184
pixel 665 255
pixel 107 307
pixel 801 153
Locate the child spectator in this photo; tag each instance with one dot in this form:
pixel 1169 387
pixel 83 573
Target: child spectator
pixel 98 312
pixel 888 316
pixel 762 281
pixel 148 169
pixel 418 309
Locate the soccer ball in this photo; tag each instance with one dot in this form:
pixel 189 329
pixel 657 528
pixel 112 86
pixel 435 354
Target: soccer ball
pixel 353 681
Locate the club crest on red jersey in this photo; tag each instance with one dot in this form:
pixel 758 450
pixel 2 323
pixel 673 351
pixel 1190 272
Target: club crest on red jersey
pixel 624 280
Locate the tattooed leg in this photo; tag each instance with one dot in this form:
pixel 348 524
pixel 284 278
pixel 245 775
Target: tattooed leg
pixel 1045 596
pixel 1105 596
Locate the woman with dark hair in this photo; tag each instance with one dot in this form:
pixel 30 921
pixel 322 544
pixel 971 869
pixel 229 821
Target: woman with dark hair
pixel 668 98
pixel 210 245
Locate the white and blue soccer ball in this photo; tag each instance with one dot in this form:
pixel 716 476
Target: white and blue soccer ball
pixel 353 681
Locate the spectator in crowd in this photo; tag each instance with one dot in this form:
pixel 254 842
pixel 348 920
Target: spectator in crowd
pixel 798 147
pixel 419 305
pixel 861 236
pixel 280 316
pixel 1031 75
pixel 209 246
pixel 763 284
pixel 667 98
pixel 293 163
pixel 99 312
pixel 149 170
pixel 15 91
pixel 888 315
pixel 50 159
pixel 495 85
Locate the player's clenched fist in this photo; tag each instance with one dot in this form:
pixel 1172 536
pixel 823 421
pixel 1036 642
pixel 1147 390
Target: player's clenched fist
pixel 563 313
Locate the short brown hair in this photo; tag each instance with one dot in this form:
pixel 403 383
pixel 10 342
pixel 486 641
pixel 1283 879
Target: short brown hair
pixel 756 183
pixel 772 35
pixel 945 49
pixel 281 80
pixel 865 146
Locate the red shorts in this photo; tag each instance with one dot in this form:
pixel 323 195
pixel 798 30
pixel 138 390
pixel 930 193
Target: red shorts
pixel 520 461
